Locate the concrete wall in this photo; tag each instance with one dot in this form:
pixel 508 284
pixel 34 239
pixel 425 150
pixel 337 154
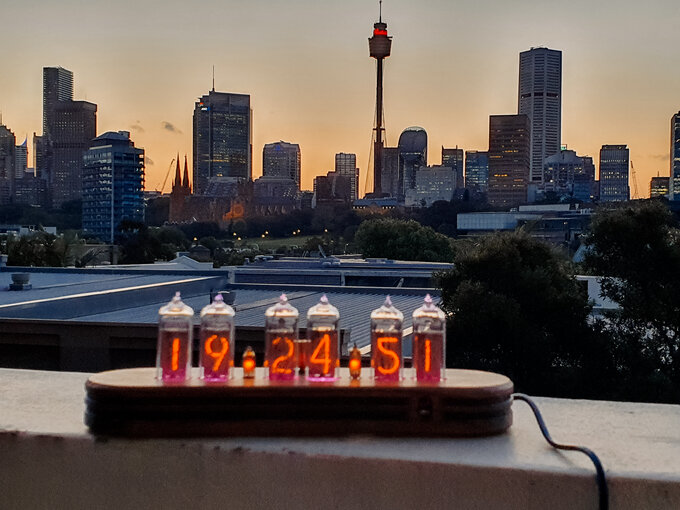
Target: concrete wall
pixel 50 461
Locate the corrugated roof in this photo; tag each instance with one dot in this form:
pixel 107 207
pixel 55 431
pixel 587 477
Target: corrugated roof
pixel 355 308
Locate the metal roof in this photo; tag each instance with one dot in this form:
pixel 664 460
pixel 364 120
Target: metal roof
pixel 46 285
pixel 250 305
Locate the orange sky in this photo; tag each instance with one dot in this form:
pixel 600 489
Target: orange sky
pixel 305 64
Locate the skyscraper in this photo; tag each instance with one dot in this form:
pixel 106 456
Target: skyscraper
pixel 559 171
pixel 113 184
pixel 74 125
pixel 391 181
pixel 57 87
pixel 346 165
pixel 281 159
pixel 433 183
pixel 540 98
pixel 21 160
pixel 412 155
pixel 614 161
pixel 477 170
pixel 509 151
pixel 222 138
pixel 453 158
pixel 658 187
pixel 674 180
pixel 7 159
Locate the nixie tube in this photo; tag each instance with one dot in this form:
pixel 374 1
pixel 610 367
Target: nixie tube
pixel 322 332
pixel 386 342
pixel 217 340
pixel 173 354
pixel 281 339
pixel 429 342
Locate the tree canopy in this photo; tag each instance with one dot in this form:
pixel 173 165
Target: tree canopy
pixel 402 240
pixel 516 308
pixel 635 248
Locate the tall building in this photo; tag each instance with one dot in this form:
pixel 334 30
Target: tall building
pixel 390 180
pixel 614 168
pixel 453 158
pixel 222 138
pixel 433 183
pixel 559 171
pixel 346 165
pixel 21 159
pixel 658 187
pixel 585 188
pixel 7 160
pixel 509 155
pixel 477 171
pixel 331 189
pixel 73 129
pixel 540 98
pixel 674 181
pixel 281 159
pixel 113 184
pixel 412 155
pixel 57 87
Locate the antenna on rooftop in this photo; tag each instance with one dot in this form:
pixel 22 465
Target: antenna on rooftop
pixel 380 16
pixel 213 89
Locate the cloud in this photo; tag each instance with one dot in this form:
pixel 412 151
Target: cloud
pixel 148 161
pixel 170 127
pixel 662 157
pixel 137 127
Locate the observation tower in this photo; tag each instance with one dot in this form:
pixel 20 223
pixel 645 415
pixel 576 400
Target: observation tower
pixel 379 46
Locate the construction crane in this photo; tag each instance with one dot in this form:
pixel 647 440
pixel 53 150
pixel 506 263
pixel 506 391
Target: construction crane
pixel 636 193
pixel 165 181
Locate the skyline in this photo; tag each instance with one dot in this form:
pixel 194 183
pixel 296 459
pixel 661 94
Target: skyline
pixel 311 80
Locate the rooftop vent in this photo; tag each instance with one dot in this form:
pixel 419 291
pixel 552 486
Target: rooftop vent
pixel 20 281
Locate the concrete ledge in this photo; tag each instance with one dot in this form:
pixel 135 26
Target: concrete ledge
pixel 49 460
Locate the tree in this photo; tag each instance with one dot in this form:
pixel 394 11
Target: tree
pixel 635 248
pixel 138 246
pixel 515 308
pixel 38 249
pixel 402 240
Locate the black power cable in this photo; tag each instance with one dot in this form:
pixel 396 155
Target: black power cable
pixel 603 490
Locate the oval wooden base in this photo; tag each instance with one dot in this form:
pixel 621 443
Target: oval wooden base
pixel 132 403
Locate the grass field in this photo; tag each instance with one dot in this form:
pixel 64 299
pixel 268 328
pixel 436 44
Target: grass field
pixel 269 243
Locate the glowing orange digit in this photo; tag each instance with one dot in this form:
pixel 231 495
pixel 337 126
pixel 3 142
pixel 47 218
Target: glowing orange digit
pixel 389 353
pixel 326 360
pixel 275 365
pixel 428 354
pixel 217 355
pixel 175 354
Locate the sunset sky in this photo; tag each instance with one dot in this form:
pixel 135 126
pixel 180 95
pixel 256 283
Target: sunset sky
pixel 306 67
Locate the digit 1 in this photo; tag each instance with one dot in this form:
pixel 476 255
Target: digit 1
pixel 428 354
pixel 175 354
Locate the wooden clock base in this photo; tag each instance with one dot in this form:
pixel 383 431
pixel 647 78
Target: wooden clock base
pixel 132 403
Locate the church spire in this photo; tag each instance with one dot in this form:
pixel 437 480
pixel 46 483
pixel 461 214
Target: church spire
pixel 186 175
pixel 178 176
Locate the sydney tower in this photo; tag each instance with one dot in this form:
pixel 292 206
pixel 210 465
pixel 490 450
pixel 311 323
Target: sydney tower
pixel 379 46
